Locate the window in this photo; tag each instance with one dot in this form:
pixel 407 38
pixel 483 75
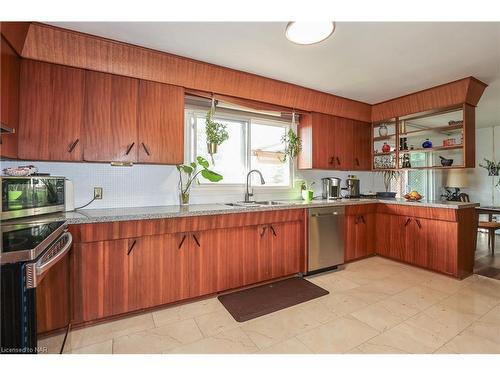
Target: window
pixel 421 180
pixel 254 143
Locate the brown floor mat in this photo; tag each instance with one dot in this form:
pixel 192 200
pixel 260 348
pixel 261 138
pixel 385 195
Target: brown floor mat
pixel 265 299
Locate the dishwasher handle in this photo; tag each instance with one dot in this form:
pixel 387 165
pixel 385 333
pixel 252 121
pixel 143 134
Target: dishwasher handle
pixel 334 213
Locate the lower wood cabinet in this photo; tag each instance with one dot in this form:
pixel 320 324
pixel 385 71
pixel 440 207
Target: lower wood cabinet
pixel 359 238
pixel 117 276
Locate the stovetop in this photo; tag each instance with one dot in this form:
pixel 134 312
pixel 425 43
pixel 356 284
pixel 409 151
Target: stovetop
pixel 26 241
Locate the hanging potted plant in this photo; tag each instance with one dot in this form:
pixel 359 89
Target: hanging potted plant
pixel 293 143
pixel 216 132
pixel 189 173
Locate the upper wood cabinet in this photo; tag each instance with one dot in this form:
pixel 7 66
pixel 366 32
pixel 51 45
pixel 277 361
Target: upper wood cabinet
pixel 9 106
pixel 110 118
pixel 161 123
pixel 330 142
pixel 51 112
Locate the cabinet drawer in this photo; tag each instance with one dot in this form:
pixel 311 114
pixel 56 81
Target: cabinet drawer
pixel 359 209
pixel 446 214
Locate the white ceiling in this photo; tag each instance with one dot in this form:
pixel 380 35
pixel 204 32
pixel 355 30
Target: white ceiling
pixel 367 61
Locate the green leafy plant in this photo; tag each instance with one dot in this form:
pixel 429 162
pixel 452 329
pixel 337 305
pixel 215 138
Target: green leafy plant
pixel 293 144
pixel 491 166
pixel 305 185
pixel 216 131
pixel 190 173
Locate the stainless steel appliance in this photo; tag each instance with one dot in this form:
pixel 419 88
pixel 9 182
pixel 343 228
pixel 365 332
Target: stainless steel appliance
pixel 32 195
pixel 31 248
pixel 331 187
pixel 352 187
pixel 326 238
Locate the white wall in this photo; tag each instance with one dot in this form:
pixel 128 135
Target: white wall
pixel 156 185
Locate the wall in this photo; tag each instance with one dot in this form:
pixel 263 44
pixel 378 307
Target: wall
pixel 156 185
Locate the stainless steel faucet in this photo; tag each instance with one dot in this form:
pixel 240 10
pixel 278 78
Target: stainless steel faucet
pixel 247 192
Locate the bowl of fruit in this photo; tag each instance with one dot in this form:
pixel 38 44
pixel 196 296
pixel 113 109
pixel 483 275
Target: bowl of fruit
pixel 414 196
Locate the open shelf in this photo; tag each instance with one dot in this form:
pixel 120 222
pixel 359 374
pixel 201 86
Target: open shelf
pixel 384 153
pixel 441 129
pixel 383 138
pixel 431 149
pixel 434 167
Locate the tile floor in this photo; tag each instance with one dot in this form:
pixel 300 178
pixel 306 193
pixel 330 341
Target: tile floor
pixel 374 306
pixel 487 264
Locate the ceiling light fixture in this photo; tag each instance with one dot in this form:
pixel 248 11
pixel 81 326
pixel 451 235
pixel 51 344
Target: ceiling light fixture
pixel 309 32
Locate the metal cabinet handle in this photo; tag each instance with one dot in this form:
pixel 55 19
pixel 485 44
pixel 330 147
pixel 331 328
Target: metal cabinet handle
pixel 129 148
pixel 272 230
pixel 332 160
pixel 338 160
pixel 73 145
pixel 131 247
pixel 182 241
pixel 196 240
pixel 357 162
pixel 145 149
pixel 263 231
pixel 407 221
pixel 418 223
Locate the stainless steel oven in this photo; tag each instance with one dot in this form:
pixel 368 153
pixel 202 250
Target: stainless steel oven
pixel 29 196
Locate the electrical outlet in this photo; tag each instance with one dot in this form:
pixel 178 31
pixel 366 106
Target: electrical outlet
pixel 98 193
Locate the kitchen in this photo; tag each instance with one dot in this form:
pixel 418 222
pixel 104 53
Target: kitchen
pixel 158 203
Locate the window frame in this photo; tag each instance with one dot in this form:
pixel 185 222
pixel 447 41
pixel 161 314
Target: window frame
pixel 246 118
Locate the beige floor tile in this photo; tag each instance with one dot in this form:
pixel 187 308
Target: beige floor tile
pixel 105 347
pixel 279 327
pixel 468 301
pixel 486 287
pixel 370 348
pixel 419 297
pixel 408 338
pixel 486 330
pixel 367 293
pixel 186 311
pixel 216 322
pixel 468 343
pixel 234 341
pixel 52 345
pixel 334 283
pixel 158 339
pixel 340 304
pixel 362 276
pixel 493 316
pixel 318 310
pixel 447 284
pixel 385 314
pixel 338 336
pixel 290 346
pixel 105 331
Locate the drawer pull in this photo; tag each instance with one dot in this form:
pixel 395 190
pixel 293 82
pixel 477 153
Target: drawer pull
pixel 145 149
pixel 418 223
pixel 182 241
pixel 73 145
pixel 196 240
pixel 272 230
pixel 131 247
pixel 129 148
pixel 407 221
pixel 263 231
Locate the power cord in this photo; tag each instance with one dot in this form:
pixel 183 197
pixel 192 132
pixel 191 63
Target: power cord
pixel 85 205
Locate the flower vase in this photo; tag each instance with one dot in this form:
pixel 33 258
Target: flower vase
pixel 184 198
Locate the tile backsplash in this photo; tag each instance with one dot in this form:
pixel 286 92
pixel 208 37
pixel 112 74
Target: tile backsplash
pixel 157 185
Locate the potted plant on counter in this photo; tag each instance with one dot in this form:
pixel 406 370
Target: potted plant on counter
pixel 307 191
pixel 189 173
pixel 216 133
pixel 389 175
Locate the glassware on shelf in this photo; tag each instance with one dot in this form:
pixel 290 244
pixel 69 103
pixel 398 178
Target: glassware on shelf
pixel 386 148
pixel 382 130
pixel 427 143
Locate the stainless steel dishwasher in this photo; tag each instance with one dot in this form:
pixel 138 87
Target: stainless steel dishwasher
pixel 326 238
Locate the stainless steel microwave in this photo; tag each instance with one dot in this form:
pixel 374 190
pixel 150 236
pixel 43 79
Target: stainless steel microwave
pixel 28 196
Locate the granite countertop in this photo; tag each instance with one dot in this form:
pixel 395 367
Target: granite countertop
pixel 162 212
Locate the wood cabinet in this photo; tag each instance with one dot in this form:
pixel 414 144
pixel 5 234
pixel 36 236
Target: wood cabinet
pixel 285 244
pixel 110 118
pixel 9 105
pixel 51 112
pixel 160 123
pixel 359 238
pixel 330 142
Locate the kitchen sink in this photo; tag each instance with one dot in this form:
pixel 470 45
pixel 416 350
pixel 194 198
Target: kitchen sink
pixel 254 204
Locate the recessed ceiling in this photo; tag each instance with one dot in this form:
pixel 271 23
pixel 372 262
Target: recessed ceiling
pixel 366 61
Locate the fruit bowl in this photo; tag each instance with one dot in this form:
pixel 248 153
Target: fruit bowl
pixel 413 196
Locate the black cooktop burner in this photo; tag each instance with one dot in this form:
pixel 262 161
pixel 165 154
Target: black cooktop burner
pixel 26 237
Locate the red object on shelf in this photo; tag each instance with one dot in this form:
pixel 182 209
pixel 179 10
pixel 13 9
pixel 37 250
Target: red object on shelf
pixel 386 148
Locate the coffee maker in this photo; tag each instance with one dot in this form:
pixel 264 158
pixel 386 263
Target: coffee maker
pixel 331 188
pixel 352 187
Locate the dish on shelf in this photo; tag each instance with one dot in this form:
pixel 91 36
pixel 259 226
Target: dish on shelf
pixel 446 162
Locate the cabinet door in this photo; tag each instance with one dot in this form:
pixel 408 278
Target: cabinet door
pixel 442 246
pixel 51 112
pixel 322 156
pixel 286 248
pixel 390 234
pixel 147 271
pixel 360 238
pixel 161 123
pixel 342 137
pixel 100 275
pixel 418 236
pixel 110 118
pixel 361 155
pixel 9 114
pixel 264 253
pixel 238 259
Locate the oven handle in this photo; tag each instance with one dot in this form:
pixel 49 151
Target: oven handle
pixel 38 271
